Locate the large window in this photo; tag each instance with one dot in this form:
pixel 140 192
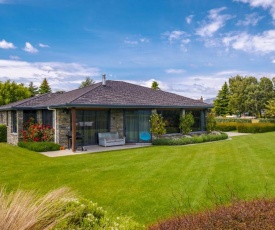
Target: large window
pixel 171 119
pixel 28 115
pixel 14 121
pixel 91 122
pixel 47 117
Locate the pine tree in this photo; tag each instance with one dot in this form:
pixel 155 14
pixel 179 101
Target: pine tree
pixel 33 89
pixel 44 87
pixel 88 81
pixel 155 85
pixel 221 104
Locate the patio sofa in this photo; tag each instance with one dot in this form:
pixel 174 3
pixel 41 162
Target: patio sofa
pixel 110 139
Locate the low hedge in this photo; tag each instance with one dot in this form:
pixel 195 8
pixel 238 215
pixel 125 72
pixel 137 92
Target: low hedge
pixel 40 146
pixel 190 140
pixel 266 120
pixel 226 126
pixel 3 133
pixel 238 120
pixel 256 128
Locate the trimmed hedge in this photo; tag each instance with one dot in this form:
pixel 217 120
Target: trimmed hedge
pixel 266 120
pixel 226 126
pixel 190 140
pixel 256 128
pixel 40 146
pixel 3 133
pixel 238 120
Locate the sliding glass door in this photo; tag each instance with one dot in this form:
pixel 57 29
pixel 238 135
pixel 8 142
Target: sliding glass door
pixel 89 123
pixel 137 126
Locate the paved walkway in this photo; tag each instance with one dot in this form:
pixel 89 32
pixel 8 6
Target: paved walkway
pixel 234 134
pixel 93 149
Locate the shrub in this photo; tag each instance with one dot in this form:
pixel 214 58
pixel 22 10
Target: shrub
pixel 157 125
pixel 256 127
pixel 211 123
pixel 190 140
pixel 238 120
pixel 40 146
pixel 186 123
pixel 37 132
pixel 3 133
pixel 226 126
pixel 266 120
pixel 255 214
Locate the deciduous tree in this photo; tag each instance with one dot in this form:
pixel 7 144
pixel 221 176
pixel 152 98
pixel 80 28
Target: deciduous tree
pixel 88 81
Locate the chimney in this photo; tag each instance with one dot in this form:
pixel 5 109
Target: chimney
pixel 201 98
pixel 104 79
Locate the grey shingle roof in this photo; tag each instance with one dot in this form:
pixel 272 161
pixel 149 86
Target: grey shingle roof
pixel 114 94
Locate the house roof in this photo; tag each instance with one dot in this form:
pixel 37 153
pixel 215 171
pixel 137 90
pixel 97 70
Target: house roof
pixel 116 94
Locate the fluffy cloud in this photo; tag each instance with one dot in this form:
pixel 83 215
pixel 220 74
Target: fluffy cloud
pixel 250 19
pixel 43 45
pixel 214 23
pixel 174 35
pixel 61 76
pixel 14 57
pixel 266 4
pixel 29 48
pixel 6 45
pixel 136 41
pixel 261 43
pixel 189 19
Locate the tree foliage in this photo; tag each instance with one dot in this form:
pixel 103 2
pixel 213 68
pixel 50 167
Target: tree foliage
pixel 88 81
pixel 157 125
pixel 186 123
pixel 44 87
pixel 211 122
pixel 11 92
pixel 270 108
pixel 222 102
pixel 33 89
pixel 155 85
pixel 245 95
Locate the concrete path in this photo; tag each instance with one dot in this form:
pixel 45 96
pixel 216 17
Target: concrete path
pixel 93 149
pixel 234 134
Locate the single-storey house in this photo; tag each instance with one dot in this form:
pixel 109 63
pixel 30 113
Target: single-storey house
pixel 107 106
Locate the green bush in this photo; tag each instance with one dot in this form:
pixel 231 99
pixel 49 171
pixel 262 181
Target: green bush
pixel 238 120
pixel 86 215
pixel 40 146
pixel 226 126
pixel 256 128
pixel 3 133
pixel 190 140
pixel 266 120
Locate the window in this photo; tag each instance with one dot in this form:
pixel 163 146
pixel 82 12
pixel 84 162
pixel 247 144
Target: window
pixel 47 117
pixel 13 121
pixel 27 115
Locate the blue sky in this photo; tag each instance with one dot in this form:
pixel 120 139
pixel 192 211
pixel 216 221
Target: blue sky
pixel 191 47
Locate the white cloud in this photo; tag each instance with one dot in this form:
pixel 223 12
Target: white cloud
pixel 189 19
pixel 144 40
pixel 215 22
pixel 136 41
pixel 6 45
pixel 174 35
pixel 265 4
pixel 250 19
pixel 13 57
pixel 61 76
pixel 174 71
pixel 261 43
pixel 43 45
pixel 29 48
pixel 273 62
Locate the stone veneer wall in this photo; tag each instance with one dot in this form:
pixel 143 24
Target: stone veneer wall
pixel 14 138
pixel 116 121
pixel 62 126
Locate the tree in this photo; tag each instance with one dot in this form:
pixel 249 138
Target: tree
pixel 221 104
pixel 186 123
pixel 88 81
pixel 44 87
pixel 11 92
pixel 157 125
pixel 33 89
pixel 155 85
pixel 270 108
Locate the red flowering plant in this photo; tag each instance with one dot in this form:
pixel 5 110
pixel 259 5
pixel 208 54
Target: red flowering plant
pixel 35 132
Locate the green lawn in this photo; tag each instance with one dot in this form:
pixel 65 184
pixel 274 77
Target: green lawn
pixel 146 183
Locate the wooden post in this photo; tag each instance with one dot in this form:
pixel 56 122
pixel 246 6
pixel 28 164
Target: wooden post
pixel 73 129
